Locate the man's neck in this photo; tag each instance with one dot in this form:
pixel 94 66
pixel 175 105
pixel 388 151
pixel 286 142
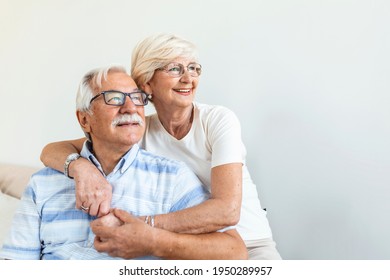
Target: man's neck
pixel 108 157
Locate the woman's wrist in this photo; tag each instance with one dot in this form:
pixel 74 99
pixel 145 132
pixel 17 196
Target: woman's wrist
pixel 76 165
pixel 71 158
pixel 155 243
pixel 149 220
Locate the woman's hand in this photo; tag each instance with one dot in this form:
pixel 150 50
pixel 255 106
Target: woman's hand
pixel 93 191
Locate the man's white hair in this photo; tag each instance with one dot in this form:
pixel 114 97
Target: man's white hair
pixel 92 83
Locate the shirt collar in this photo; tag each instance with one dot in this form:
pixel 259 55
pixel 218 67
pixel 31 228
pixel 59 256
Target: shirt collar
pixel 124 163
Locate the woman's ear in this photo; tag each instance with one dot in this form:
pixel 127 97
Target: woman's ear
pixel 147 88
pixel 83 118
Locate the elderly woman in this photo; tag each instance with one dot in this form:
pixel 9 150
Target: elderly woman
pixel 207 138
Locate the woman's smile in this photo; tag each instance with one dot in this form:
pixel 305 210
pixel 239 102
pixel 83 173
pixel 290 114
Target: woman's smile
pixel 183 91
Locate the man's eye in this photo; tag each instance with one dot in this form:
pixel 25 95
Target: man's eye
pixel 115 100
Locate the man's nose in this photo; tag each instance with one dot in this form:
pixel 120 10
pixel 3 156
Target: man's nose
pixel 129 105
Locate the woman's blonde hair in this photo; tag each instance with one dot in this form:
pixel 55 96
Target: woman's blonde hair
pixel 157 51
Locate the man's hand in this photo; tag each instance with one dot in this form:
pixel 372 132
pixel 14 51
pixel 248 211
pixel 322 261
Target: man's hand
pixel 132 239
pixel 109 220
pixel 93 191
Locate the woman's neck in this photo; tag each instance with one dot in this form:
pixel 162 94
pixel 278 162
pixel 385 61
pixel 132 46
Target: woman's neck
pixel 176 122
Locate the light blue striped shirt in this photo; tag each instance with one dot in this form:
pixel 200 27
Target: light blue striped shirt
pixel 47 225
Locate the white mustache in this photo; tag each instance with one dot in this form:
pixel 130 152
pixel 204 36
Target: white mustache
pixel 128 118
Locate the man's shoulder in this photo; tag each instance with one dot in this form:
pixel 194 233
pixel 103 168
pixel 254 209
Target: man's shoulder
pixel 47 176
pixel 47 172
pixel 46 182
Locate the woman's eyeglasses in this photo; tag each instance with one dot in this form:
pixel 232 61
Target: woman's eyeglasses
pixel 177 69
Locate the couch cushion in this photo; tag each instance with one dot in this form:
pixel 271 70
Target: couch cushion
pixel 14 178
pixel 8 205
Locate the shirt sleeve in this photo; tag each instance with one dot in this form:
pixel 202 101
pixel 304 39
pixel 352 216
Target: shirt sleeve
pixel 22 241
pixel 224 137
pixel 189 191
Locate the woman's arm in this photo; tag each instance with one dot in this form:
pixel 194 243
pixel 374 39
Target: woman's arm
pixel 221 210
pixel 92 189
pixel 134 238
pixel 55 154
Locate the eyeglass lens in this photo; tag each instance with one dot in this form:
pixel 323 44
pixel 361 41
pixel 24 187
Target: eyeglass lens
pixel 118 98
pixel 177 69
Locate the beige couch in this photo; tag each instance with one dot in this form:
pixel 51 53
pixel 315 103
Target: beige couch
pixel 13 180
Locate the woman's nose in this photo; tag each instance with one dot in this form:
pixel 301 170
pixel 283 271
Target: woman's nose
pixel 186 77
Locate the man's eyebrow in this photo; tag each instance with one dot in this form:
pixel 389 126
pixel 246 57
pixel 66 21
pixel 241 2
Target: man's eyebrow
pixel 134 89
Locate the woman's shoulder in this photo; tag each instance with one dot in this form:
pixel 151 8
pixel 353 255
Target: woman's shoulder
pixel 208 109
pixel 211 113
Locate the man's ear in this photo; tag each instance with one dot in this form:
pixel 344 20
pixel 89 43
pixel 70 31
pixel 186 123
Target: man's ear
pixel 84 118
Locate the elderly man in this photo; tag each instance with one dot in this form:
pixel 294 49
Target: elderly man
pixel 48 226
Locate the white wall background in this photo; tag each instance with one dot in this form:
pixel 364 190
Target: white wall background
pixel 309 80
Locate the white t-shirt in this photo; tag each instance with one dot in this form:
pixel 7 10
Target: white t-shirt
pixel 214 139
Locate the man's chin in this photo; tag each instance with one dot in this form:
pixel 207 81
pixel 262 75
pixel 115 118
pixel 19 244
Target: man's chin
pixel 131 139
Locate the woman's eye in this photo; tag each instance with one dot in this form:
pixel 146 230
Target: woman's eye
pixel 174 69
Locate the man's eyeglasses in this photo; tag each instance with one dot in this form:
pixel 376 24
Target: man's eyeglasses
pixel 118 98
pixel 177 69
